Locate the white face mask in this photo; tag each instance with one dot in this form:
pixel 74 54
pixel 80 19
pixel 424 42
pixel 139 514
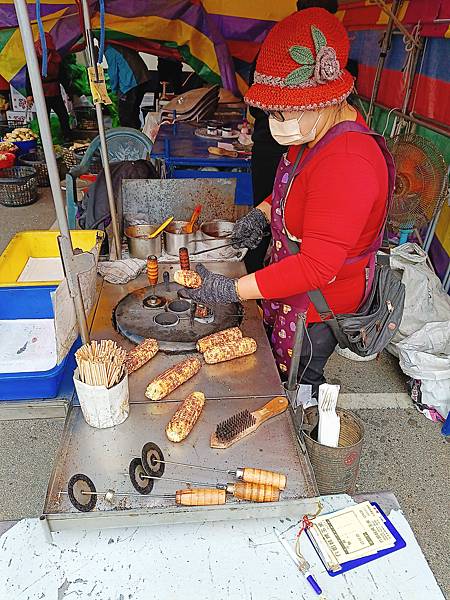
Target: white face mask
pixel 288 133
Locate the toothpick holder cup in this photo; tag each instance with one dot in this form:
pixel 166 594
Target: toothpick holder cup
pixel 103 407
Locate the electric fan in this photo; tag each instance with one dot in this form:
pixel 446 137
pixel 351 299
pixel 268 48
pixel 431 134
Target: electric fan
pixel 419 184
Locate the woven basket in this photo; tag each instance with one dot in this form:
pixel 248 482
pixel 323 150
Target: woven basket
pixel 86 118
pixel 37 161
pixel 18 186
pixel 69 157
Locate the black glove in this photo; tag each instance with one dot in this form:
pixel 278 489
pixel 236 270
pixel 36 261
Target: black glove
pixel 249 230
pixel 215 288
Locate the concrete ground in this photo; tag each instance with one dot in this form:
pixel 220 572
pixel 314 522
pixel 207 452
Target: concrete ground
pixel 40 215
pixel 403 452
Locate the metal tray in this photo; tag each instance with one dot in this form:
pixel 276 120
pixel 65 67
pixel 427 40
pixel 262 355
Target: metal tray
pixel 104 455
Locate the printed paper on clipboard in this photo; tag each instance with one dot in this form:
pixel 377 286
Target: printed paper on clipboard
pixel 353 536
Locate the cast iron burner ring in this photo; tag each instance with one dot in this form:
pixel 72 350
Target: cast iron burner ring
pixel 153 302
pixel 166 319
pixel 179 306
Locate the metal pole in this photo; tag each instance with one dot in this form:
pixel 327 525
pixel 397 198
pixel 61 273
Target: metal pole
pixel 381 60
pixel 53 174
pixel 422 121
pixel 101 133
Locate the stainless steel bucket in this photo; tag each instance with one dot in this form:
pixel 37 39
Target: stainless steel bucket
pixel 336 469
pixel 174 239
pixel 139 244
pixel 213 234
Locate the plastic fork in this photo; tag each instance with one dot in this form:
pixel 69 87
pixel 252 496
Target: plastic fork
pixel 329 422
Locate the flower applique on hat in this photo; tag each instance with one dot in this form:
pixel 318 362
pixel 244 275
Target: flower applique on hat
pixel 301 64
pixel 325 67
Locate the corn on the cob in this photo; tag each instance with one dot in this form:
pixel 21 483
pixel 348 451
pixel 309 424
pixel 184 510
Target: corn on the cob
pixel 219 339
pixel 189 279
pixel 141 354
pixel 171 378
pixel 229 351
pixel 182 422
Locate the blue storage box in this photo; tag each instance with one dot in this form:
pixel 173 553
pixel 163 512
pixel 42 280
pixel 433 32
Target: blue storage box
pixel 31 303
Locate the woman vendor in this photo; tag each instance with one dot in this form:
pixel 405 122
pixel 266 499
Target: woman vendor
pixel 330 195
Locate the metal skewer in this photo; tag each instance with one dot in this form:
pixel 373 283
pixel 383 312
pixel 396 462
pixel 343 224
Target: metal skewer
pixel 241 490
pixel 247 474
pixel 153 463
pixel 210 249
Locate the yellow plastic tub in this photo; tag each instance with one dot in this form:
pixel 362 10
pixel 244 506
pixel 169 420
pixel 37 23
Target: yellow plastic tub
pixel 28 245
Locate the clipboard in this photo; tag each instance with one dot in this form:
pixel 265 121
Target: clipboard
pixel 352 564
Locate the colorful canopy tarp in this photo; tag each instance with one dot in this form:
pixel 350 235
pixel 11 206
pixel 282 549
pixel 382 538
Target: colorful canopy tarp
pixel 218 38
pixel 205 33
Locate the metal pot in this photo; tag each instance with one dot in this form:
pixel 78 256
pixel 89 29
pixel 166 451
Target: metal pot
pixel 213 234
pixel 174 239
pixel 139 244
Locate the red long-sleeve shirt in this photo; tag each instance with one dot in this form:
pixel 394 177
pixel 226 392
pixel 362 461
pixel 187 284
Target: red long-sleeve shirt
pixel 336 207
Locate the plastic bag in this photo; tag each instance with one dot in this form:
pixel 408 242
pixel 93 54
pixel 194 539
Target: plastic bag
pixel 425 298
pixel 425 356
pixel 151 125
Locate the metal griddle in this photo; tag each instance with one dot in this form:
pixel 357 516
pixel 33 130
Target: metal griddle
pixel 137 322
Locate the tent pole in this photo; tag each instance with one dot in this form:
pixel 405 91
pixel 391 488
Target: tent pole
pixel 101 133
pixel 381 59
pixel 65 241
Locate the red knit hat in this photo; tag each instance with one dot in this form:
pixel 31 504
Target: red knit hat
pixel 300 64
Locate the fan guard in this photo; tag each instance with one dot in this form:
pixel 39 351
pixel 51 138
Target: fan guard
pixel 419 183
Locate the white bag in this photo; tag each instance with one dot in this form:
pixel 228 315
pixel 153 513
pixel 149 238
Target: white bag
pixel 425 355
pixel 425 301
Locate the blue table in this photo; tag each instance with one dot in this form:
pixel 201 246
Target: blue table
pixel 183 153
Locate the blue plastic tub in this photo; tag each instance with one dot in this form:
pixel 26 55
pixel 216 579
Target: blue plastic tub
pixel 31 303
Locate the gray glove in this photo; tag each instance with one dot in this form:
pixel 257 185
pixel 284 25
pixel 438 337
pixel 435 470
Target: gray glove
pixel 249 230
pixel 215 288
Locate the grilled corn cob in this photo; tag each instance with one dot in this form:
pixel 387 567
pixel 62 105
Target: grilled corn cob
pixel 171 378
pixel 182 422
pixel 141 354
pixel 189 279
pixel 219 339
pixel 229 351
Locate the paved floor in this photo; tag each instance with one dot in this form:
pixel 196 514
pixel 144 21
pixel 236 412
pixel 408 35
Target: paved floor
pixel 40 215
pixel 404 453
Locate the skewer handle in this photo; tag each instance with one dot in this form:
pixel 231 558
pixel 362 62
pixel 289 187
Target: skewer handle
pixel 152 270
pixel 262 477
pixel 185 263
pixel 200 497
pixel 254 492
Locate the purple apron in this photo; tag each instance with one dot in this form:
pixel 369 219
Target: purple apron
pixel 280 315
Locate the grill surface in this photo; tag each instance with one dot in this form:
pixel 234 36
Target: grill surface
pixel 136 322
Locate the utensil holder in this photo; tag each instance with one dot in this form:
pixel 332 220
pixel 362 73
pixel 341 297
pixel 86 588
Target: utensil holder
pixel 103 407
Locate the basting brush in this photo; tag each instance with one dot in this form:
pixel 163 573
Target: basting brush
pixel 245 422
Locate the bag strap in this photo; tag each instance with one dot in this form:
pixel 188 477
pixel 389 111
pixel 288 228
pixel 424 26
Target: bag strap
pixel 327 316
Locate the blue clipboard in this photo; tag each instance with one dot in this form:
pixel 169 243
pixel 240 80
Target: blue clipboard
pixel 352 564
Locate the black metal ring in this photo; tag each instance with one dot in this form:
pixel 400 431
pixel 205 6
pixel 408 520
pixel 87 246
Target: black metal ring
pixel 135 470
pixel 92 500
pixel 151 455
